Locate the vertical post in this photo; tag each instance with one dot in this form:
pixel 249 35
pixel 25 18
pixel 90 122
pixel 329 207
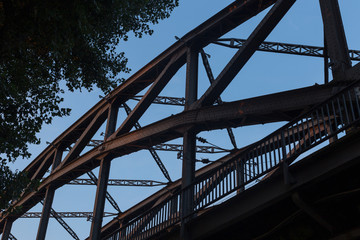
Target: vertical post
pixel 326 62
pixel 335 38
pixel 285 164
pixel 7 229
pixel 111 121
pixel 192 61
pixel 240 173
pixel 189 141
pixel 49 197
pixel 100 199
pixel 104 171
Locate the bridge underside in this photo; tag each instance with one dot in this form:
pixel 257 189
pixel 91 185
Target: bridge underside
pixel 323 203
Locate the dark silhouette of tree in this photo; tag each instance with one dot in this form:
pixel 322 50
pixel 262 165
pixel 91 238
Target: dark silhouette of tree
pixel 45 42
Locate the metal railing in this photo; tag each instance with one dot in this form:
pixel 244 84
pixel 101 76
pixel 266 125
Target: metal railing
pixel 337 114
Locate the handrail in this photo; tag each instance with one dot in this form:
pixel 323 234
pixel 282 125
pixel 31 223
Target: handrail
pixel 326 120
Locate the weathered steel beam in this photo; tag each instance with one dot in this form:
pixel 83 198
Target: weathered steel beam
pixel 189 139
pixel 100 198
pixel 335 38
pixel 44 166
pixel 101 190
pixel 86 136
pixel 48 200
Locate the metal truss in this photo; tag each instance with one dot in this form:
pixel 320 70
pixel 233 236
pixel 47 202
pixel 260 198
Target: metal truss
pixel 201 113
pixel 278 47
pixel 119 182
pixel 87 215
pixel 178 147
pixel 165 100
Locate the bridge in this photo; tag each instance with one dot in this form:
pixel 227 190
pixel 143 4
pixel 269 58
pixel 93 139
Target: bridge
pixel 300 181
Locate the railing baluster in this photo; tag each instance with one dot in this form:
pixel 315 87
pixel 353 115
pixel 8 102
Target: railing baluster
pixel 294 139
pixel 324 122
pixel 278 148
pixel 313 128
pixel 257 161
pixel 346 109
pixel 304 134
pixel 357 100
pixel 289 140
pixel 262 158
pixel 340 112
pixel 274 151
pixel 351 106
pixel 318 123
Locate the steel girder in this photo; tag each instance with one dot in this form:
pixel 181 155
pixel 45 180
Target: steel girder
pixel 199 116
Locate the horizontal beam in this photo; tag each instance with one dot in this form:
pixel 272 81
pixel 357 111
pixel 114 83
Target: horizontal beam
pixel 279 47
pixel 87 215
pixel 179 148
pixel 119 182
pixel 173 147
pixel 176 101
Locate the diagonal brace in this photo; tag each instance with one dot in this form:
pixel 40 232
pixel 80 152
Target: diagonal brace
pixel 108 196
pixel 151 149
pixel 219 100
pixel 62 223
pixel 238 61
pixel 161 81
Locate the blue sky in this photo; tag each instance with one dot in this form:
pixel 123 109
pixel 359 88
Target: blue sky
pixel 265 73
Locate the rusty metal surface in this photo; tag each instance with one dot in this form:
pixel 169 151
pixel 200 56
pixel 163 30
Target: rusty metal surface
pixel 84 153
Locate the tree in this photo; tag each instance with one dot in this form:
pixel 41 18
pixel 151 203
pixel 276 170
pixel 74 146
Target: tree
pixel 45 42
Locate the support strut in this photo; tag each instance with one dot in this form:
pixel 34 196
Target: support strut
pixel 151 149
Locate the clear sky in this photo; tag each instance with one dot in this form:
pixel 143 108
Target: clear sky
pixel 265 73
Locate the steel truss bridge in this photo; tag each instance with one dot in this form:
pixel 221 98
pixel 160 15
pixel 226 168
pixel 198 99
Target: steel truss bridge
pixel 254 191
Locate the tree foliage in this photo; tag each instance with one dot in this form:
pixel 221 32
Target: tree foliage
pixel 45 42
